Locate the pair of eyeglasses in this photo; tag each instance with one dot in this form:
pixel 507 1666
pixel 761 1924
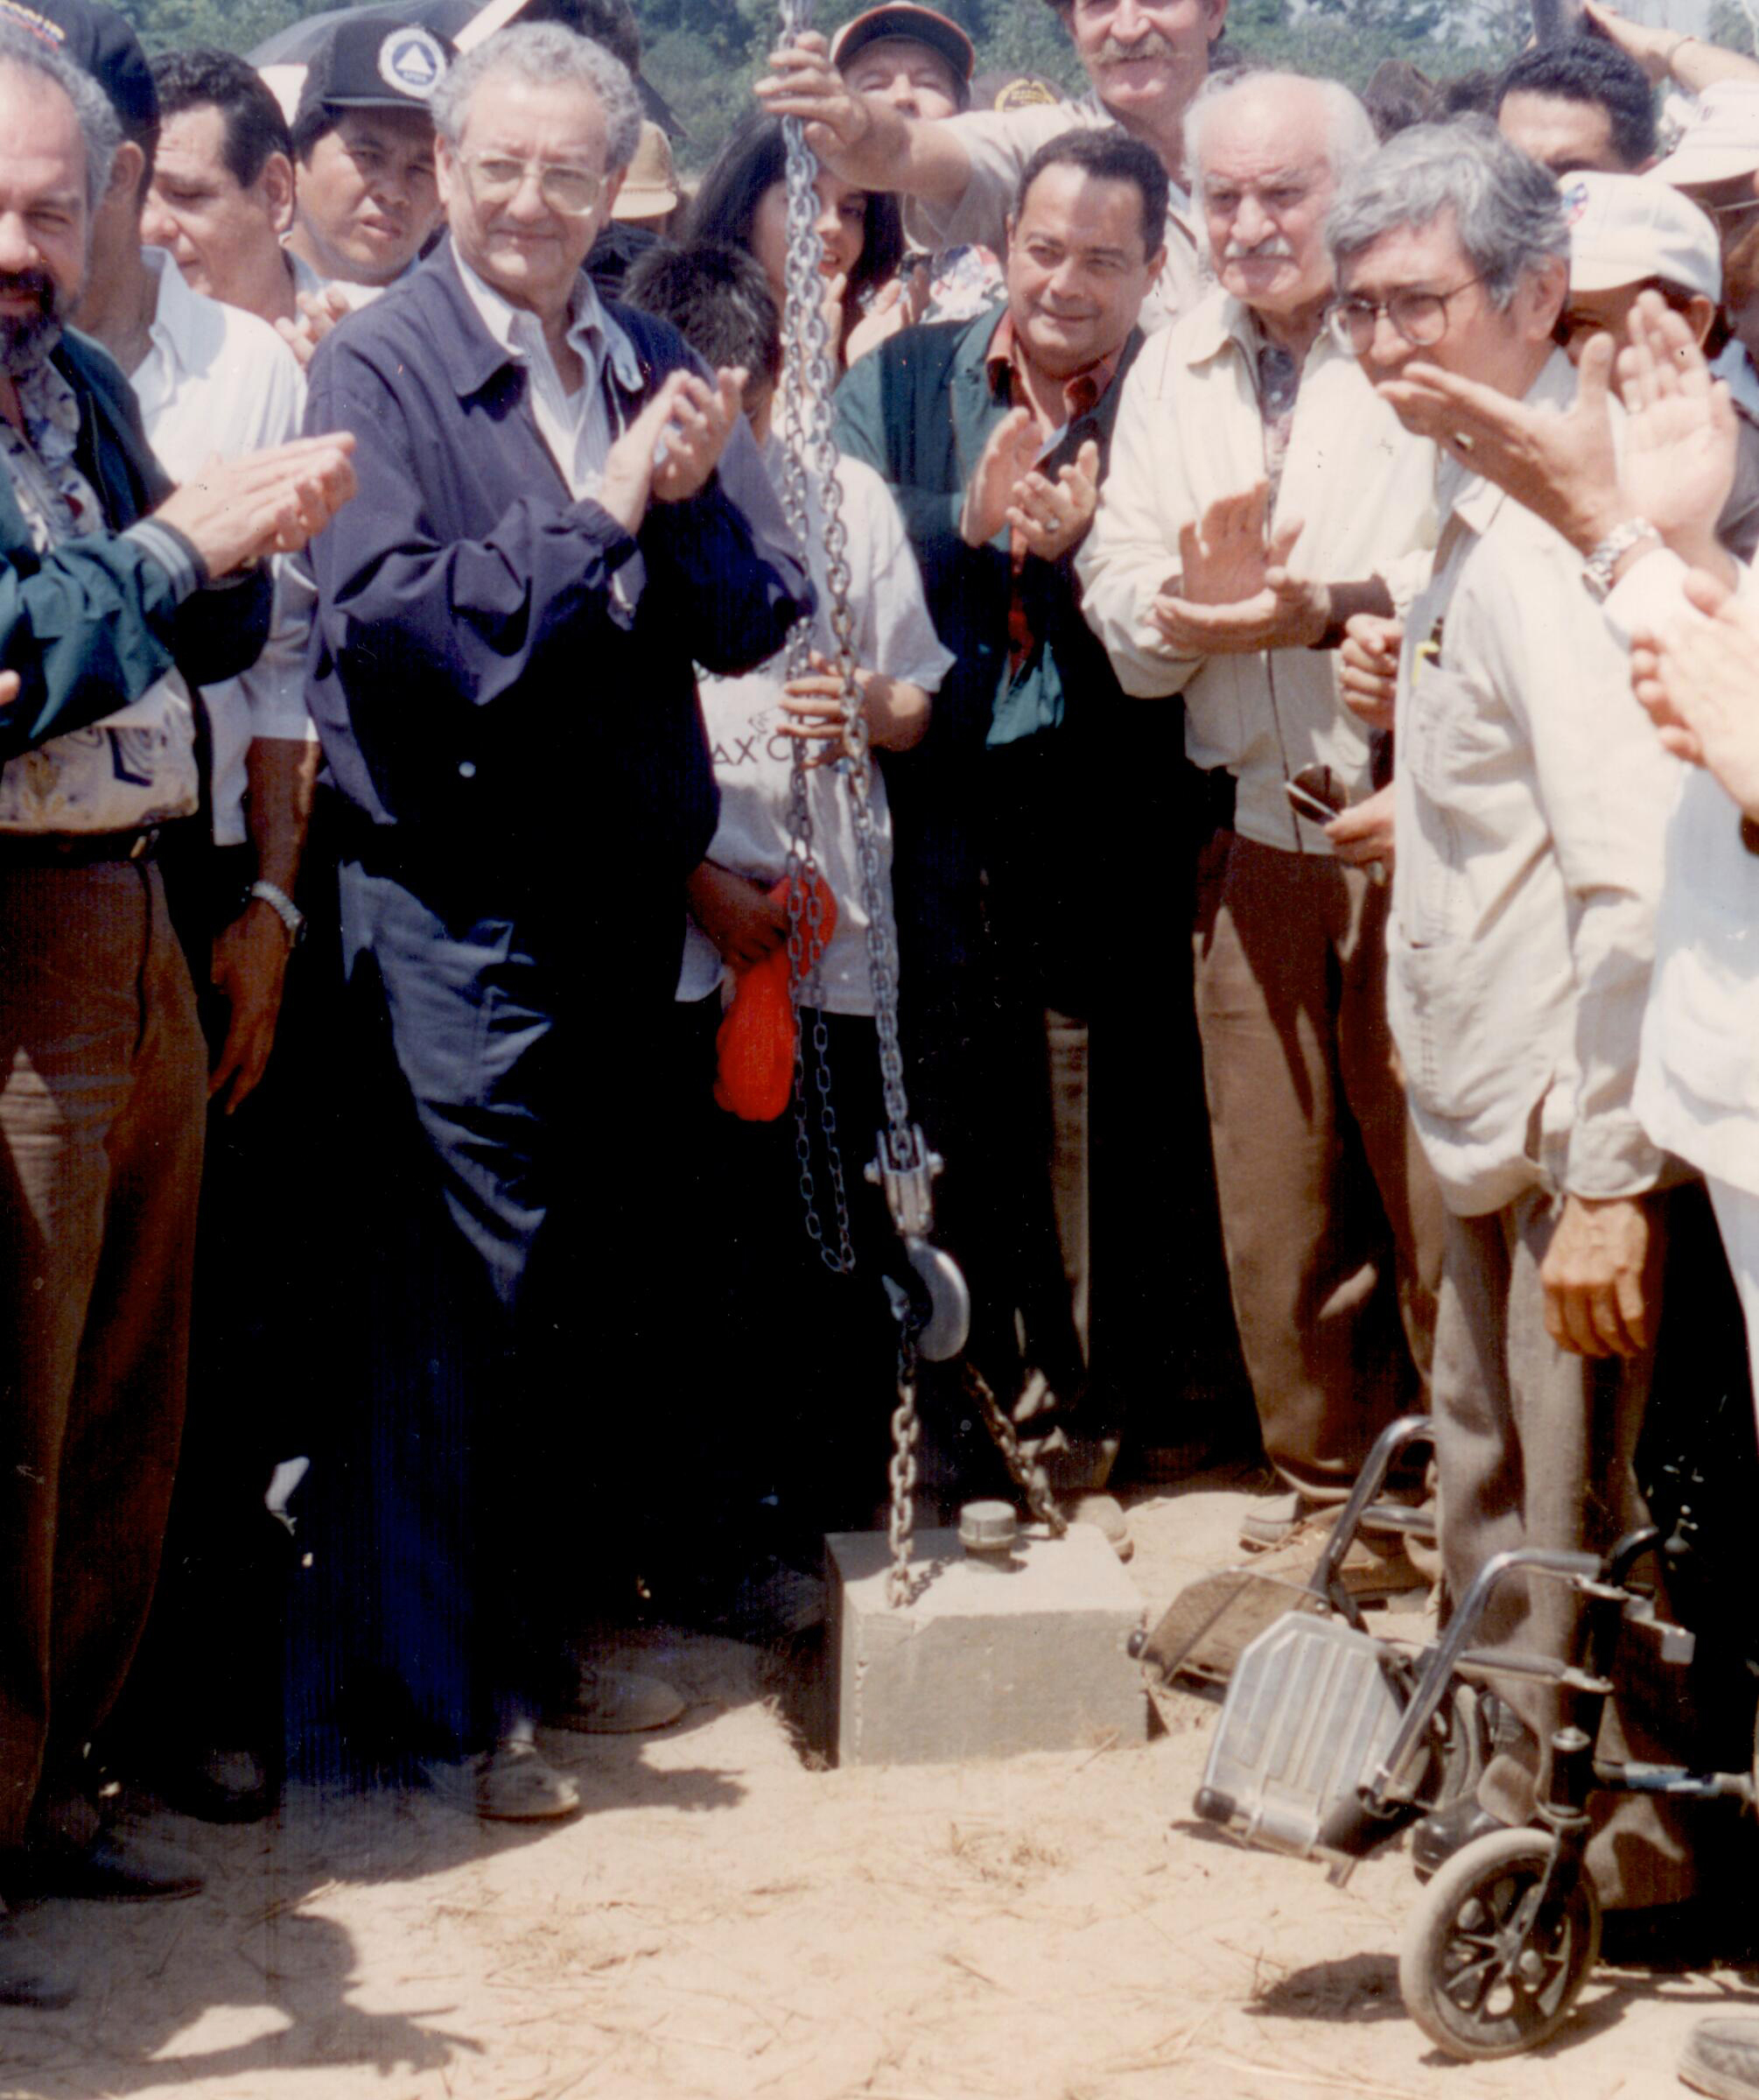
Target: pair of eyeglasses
pixel 1420 317
pixel 496 179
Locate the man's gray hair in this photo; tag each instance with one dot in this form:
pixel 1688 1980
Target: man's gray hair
pixel 1349 127
pixel 98 127
pixel 1507 209
pixel 546 54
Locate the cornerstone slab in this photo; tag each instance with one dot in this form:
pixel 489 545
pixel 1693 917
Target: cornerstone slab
pixel 981 1662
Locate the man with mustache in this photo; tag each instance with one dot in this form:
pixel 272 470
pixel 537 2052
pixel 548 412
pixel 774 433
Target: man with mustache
pixel 210 378
pixel 105 611
pixel 1146 59
pixel 1251 460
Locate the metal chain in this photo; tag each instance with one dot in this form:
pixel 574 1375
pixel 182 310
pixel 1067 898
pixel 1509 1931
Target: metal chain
pixel 808 377
pixel 811 472
pixel 1029 1477
pixel 907 1431
pixel 803 378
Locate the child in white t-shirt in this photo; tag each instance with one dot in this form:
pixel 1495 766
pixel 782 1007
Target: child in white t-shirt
pixel 838 1328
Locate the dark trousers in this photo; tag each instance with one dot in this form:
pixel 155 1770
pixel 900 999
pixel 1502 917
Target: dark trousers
pixel 793 1363
pixel 497 1253
pixel 101 1131
pixel 1539 1447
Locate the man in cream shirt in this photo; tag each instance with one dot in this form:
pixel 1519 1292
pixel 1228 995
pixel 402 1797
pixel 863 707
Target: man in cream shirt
pixel 1250 450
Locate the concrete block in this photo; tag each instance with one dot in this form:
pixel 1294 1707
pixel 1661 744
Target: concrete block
pixel 981 1662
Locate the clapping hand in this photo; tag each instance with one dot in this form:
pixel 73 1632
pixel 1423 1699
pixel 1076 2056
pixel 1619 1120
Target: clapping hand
pixel 1699 680
pixel 668 452
pixel 1234 592
pixel 1052 517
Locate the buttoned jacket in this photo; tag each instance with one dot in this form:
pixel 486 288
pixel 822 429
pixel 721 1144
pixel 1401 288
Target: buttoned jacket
pixel 502 675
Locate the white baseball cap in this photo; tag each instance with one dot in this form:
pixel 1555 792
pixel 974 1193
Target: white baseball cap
pixel 1625 229
pixel 1721 141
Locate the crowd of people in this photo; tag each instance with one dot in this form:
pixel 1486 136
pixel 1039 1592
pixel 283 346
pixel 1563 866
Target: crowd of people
pixel 1285 554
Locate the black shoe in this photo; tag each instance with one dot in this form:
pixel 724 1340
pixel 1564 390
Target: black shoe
pixel 1722 2058
pixel 118 1866
pixel 1450 1831
pixel 221 1785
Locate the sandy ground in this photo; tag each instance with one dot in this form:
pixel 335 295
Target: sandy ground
pixel 723 1921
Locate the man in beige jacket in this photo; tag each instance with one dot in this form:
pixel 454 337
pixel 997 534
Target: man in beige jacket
pixel 1251 461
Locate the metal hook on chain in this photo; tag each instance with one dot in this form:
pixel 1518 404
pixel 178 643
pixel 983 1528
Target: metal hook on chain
pixel 904 1167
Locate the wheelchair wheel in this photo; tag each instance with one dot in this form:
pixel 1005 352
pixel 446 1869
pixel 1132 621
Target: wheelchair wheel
pixel 1470 1976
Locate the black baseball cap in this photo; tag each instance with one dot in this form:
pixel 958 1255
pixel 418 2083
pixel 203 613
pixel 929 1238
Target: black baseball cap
pixel 920 25
pixel 99 41
pixel 373 63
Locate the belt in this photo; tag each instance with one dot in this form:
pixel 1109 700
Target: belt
pixel 74 849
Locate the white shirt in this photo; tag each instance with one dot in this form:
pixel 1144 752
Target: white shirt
pixel 576 426
pixel 892 635
pixel 999 143
pixel 1697 1083
pixel 1532 797
pixel 1189 431
pixel 216 379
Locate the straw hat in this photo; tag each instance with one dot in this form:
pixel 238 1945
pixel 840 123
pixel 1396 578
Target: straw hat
pixel 650 189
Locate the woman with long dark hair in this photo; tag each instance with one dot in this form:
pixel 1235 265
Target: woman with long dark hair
pixel 743 202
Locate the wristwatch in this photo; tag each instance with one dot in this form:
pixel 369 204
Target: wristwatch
pixel 1597 570
pixel 283 906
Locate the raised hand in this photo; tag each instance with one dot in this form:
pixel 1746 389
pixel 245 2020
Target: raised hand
pixel 1680 444
pixel 1052 517
pixel 803 82
pixel 703 419
pixel 898 305
pixel 1008 457
pixel 271 502
pixel 1234 593
pixel 1560 465
pixel 672 447
pixel 319 313
pixel 1699 680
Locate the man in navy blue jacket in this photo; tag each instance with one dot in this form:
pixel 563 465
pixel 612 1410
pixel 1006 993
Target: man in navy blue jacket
pixel 561 514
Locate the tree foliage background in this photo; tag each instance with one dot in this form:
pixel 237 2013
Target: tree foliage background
pixel 703 55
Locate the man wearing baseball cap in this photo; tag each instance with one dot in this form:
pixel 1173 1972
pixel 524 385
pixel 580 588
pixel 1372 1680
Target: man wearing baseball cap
pixel 363 143
pixel 1716 163
pixel 1630 234
pixel 1146 59
pixel 917 61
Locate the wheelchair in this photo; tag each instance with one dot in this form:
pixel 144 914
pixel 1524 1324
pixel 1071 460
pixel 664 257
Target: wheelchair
pixel 1332 1741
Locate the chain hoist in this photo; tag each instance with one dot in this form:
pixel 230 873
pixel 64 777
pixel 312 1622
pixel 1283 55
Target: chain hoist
pixel 935 1326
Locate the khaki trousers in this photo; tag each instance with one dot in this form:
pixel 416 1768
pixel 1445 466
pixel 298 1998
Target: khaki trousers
pixel 102 1095
pixel 1331 1219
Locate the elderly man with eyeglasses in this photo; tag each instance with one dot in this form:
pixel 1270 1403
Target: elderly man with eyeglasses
pixel 1531 801
pixel 1251 461
pixel 563 512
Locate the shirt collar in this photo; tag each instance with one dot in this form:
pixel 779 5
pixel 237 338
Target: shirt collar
pixel 1080 395
pixel 1220 322
pixel 592 334
pixel 1475 500
pixel 174 309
